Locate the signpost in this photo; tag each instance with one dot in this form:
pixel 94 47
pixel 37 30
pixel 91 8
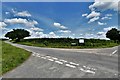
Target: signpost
pixel 81 41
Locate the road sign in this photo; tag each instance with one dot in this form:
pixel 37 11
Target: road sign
pixel 81 40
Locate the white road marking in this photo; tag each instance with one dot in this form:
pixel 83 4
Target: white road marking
pixel 43 57
pixel 93 69
pixel 34 54
pixel 50 59
pixel 74 63
pixel 113 52
pixel 48 56
pixel 72 66
pixel 88 71
pixel 58 62
pixel 54 58
pixel 89 68
pixel 63 60
pixel 39 56
pixel 84 66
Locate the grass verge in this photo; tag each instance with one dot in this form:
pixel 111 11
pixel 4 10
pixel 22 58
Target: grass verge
pixel 12 57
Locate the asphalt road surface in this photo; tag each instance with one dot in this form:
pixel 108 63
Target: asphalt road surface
pixel 67 63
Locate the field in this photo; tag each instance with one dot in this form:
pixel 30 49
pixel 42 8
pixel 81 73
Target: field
pixel 67 43
pixel 12 57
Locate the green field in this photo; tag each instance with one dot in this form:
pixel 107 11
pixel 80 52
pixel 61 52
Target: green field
pixel 12 57
pixel 66 43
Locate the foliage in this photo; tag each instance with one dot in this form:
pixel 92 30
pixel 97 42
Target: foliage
pixel 113 34
pixel 17 34
pixel 66 43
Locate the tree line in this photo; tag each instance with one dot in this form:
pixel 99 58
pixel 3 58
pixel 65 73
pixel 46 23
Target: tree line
pixel 19 34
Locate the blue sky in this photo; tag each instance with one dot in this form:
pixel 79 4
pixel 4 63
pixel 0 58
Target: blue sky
pixel 60 19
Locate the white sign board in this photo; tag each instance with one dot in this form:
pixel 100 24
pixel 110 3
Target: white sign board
pixel 81 40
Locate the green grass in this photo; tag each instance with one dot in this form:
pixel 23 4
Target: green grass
pixel 66 43
pixel 12 57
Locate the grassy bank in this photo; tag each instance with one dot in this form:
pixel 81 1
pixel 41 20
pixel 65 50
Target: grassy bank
pixel 66 43
pixel 12 57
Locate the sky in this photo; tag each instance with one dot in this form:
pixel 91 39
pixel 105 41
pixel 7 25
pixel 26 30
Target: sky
pixel 60 19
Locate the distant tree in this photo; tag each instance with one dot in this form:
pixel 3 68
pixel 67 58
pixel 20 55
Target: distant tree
pixel 113 34
pixel 17 34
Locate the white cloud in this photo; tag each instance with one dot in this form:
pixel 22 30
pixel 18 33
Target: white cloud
pixel 23 14
pixel 64 31
pixel 21 21
pixel 101 24
pixel 109 15
pixel 58 25
pixel 103 5
pixel 93 14
pixel 109 28
pixel 100 33
pixel 52 35
pixel 106 18
pixel 13 11
pixel 88 36
pixel 84 15
pixel 93 19
pixel 6 12
pixel 31 23
pixel 43 35
pixel 36 29
pixel 16 21
pixel 3 24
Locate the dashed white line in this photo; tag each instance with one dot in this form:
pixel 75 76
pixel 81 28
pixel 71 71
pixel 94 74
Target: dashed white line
pixel 50 59
pixel 93 69
pixel 88 71
pixel 74 63
pixel 89 68
pixel 48 56
pixel 86 67
pixel 58 62
pixel 63 60
pixel 72 66
pixel 38 56
pixel 34 54
pixel 43 57
pixel 54 58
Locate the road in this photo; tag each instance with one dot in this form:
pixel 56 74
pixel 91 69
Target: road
pixel 67 63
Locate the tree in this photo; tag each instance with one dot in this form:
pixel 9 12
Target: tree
pixel 113 34
pixel 17 34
